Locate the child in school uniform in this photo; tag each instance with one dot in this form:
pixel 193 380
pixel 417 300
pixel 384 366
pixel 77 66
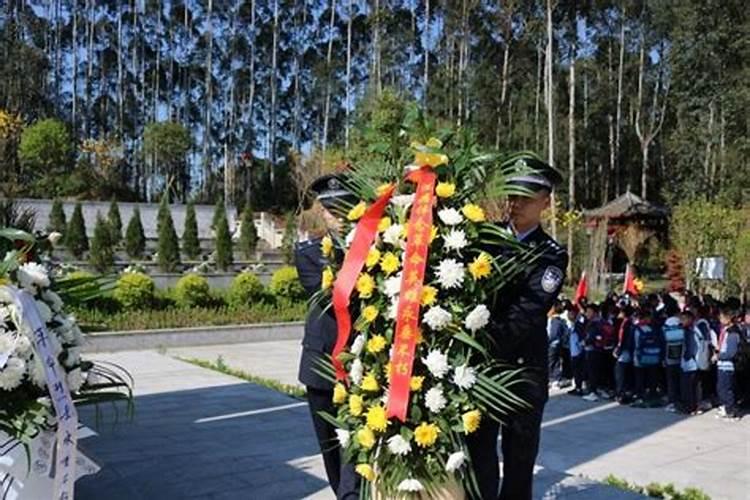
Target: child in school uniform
pixel 729 341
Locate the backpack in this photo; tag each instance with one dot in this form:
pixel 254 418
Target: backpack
pixel 703 341
pixel 742 359
pixel 648 350
pixel 674 337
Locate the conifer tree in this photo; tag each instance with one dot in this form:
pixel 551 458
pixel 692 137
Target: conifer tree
pixel 248 233
pixel 190 242
pixel 224 257
pixel 135 240
pixel 168 244
pixel 115 222
pixel 57 220
pixel 75 237
pixel 101 256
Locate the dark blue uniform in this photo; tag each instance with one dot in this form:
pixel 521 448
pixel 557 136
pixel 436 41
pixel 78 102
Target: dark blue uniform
pixel 318 341
pixel 519 328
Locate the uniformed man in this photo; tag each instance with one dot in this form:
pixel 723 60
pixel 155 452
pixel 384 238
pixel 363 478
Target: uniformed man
pixel 320 334
pixel 519 321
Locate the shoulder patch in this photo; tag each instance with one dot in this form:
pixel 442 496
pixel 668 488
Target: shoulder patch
pixel 551 279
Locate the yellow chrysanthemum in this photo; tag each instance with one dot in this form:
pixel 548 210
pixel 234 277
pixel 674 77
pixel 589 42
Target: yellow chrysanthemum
pixel 376 419
pixel 389 263
pixel 365 285
pixel 370 313
pixel 380 190
pixel 473 212
pixel 365 471
pixel 445 189
pixel 481 266
pixel 471 420
pixel 366 438
pixel 384 224
pixel 429 294
pixel 339 394
pixel 355 405
pixel 434 142
pixel 370 383
pixel 426 434
pixel 430 159
pixel 326 279
pixel 388 370
pixel 373 257
pixel 357 211
pixel 376 344
pixel 326 245
pixel 416 382
pixel 433 233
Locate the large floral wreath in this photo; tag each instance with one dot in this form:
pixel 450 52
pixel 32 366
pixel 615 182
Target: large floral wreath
pixel 422 267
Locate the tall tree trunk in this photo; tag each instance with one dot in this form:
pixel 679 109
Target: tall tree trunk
pixel 347 109
pixel 74 49
pixel 572 143
pixel 587 179
pixel 90 18
pixel 376 48
pixel 507 27
pixel 274 78
pixel 329 75
pixel 426 50
pixel 618 113
pixel 120 90
pixel 208 92
pixel 157 73
pixel 251 100
pixel 537 97
pixel 550 111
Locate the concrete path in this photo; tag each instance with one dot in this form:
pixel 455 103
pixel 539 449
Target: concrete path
pixel 201 434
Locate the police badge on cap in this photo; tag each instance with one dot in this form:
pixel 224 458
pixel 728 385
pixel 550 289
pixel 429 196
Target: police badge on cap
pixel 535 175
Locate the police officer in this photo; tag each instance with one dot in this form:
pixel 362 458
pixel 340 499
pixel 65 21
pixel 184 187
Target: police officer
pixel 519 321
pixel 320 336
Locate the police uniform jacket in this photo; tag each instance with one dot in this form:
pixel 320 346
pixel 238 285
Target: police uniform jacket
pixel 320 325
pixel 519 313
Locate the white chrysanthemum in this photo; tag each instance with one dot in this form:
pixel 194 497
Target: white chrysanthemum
pixel 477 318
pixel 455 239
pixel 12 374
pixel 464 376
pixel 34 274
pixel 36 372
pixel 75 380
pixel 392 311
pixel 437 318
pixel 434 400
pixel 455 461
pixel 45 313
pixel 392 235
pixel 410 485
pixel 357 345
pixel 350 237
pixel 356 372
pixel 437 363
pixel 392 285
pixel 53 300
pixel 402 200
pixel 73 357
pixel 23 347
pixel 343 436
pixel 450 273
pixel 398 445
pixel 450 216
pixel 385 396
pixel 7 342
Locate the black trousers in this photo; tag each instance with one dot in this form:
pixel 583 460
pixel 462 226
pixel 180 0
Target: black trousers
pixel 672 373
pixel 595 369
pixel 342 477
pixel 622 378
pixel 520 445
pixel 567 371
pixel 578 367
pixel 646 379
pixel 689 391
pixel 554 361
pixel 725 388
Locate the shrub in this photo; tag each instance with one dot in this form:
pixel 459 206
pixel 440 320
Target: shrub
pixel 190 244
pixel 248 233
pixel 168 245
pixel 75 236
pixel 57 221
pixel 192 290
pixel 115 222
pixel 223 244
pixel 135 240
pixel 245 289
pixel 102 256
pixel 135 291
pixel 285 283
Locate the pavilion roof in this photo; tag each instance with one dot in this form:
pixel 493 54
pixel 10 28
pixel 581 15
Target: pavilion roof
pixel 627 205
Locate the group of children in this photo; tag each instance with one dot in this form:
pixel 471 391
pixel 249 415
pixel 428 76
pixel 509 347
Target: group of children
pixel 653 351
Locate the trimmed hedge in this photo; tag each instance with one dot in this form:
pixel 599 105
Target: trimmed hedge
pixel 285 283
pixel 245 289
pixel 135 291
pixel 192 290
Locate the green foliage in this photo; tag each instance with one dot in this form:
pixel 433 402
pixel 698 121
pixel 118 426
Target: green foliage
pixel 285 283
pixel 221 366
pixel 45 148
pixel 289 239
pixel 168 245
pixel 224 256
pixel 740 264
pixel 246 288
pixel 190 243
pixel 167 145
pixel 101 256
pixel 115 222
pixel 192 290
pixel 135 240
pixel 75 237
pixel 135 291
pixel 248 234
pixel 219 212
pixel 57 220
pixel 656 490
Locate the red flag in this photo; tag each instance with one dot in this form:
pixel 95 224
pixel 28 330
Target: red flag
pixel 582 290
pixel 629 286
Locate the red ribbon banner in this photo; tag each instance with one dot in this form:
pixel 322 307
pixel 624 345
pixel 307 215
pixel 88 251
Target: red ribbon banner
pixel 364 235
pixel 410 296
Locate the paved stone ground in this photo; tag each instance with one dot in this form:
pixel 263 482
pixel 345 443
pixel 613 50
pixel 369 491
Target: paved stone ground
pixel 201 434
